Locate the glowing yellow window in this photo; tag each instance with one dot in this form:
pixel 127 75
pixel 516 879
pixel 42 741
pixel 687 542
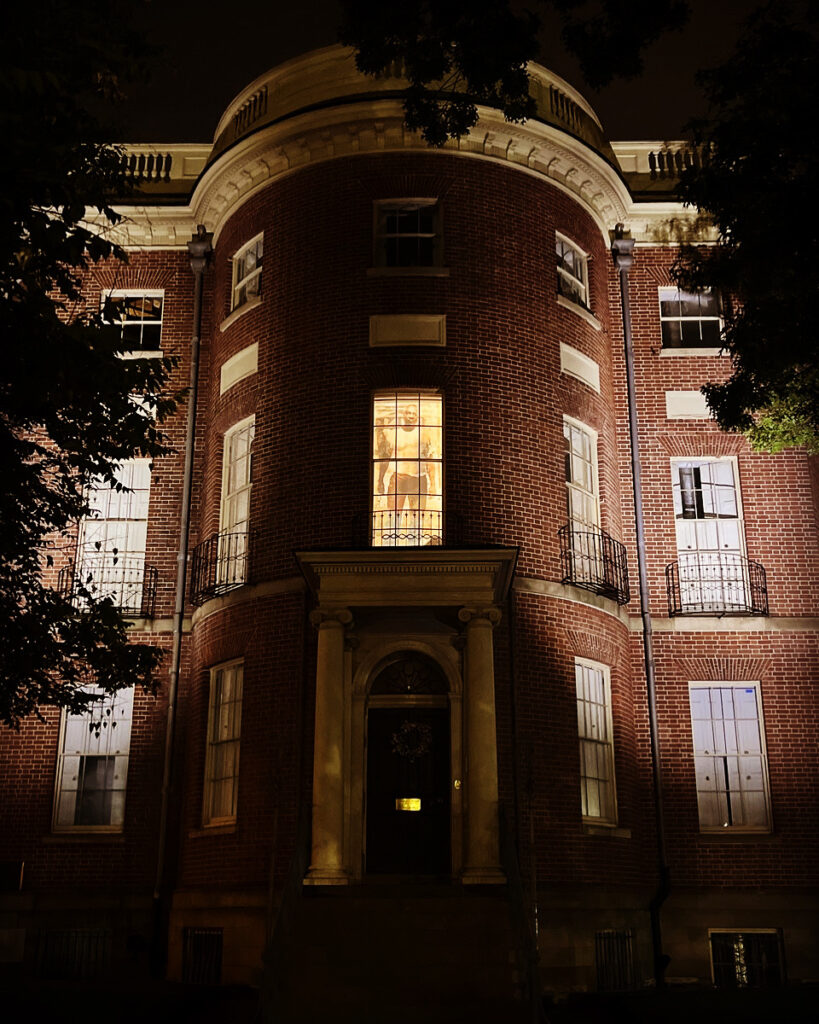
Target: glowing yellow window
pixel 407 487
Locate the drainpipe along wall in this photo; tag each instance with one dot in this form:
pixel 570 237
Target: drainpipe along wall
pixel 200 249
pixel 622 250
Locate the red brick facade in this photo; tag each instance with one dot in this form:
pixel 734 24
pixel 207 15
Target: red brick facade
pixel 504 399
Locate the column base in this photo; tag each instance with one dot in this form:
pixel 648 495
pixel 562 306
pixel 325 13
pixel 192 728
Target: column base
pixel 483 876
pixel 326 876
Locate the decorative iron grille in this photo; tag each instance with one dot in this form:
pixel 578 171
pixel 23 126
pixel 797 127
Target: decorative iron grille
pixel 722 583
pixel 593 560
pixel 202 956
pixel 128 582
pixel 614 960
pixel 409 528
pixel 73 954
pixel 219 564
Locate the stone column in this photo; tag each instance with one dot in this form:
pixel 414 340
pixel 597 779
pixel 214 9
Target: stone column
pixel 482 854
pixel 327 859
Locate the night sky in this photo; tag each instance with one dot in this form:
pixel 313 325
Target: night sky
pixel 210 54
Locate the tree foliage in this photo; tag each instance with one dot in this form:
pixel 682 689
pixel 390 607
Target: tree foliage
pixel 70 408
pixel 759 187
pixel 458 54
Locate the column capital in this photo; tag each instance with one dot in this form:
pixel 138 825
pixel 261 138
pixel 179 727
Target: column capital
pixel 331 616
pixel 474 614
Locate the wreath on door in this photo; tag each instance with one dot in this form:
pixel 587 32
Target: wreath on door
pixel 412 740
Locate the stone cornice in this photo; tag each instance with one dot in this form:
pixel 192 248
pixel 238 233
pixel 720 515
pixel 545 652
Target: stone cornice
pixel 148 227
pixel 377 126
pixel 395 577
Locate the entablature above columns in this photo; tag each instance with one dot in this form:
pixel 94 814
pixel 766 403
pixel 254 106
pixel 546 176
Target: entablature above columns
pixel 472 580
pixel 377 126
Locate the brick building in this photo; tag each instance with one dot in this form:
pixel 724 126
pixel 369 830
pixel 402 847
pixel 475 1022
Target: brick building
pixel 412 683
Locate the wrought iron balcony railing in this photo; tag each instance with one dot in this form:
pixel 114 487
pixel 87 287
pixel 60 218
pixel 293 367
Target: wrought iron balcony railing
pixel 219 564
pixel 127 581
pixel 409 528
pixel 593 560
pixel 716 582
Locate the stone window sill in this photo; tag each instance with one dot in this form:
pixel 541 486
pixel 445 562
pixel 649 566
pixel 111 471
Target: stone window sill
pixel 710 352
pixel 580 311
pixel 606 830
pixel 245 307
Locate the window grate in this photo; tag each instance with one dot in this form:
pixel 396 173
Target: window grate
pixel 746 959
pixel 73 954
pixel 614 960
pixel 202 956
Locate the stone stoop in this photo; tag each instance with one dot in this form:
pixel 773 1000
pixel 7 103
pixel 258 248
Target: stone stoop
pixel 380 954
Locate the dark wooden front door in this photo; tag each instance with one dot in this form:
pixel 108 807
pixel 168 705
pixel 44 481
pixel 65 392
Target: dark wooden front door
pixel 408 791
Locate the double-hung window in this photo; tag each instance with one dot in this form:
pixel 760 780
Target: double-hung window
pixel 222 756
pixel 138 314
pixel 730 765
pixel 586 564
pixel 92 767
pixel 572 271
pixel 713 570
pixel 407 469
pixel 237 482
pixel 408 233
pixel 597 792
pixel 690 319
pixel 247 272
pixel 111 548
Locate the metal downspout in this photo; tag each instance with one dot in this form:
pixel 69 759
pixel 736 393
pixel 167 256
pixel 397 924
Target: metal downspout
pixel 200 249
pixel 622 250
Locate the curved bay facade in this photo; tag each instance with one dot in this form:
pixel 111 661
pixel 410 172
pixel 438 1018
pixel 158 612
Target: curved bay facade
pixel 413 664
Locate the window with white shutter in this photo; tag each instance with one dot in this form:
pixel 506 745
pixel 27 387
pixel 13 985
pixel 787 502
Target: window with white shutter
pixel 729 757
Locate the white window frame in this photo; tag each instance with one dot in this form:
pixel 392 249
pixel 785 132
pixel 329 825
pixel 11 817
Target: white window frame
pixel 223 742
pixel 239 284
pixel 380 235
pixel 592 496
pixel 406 518
pixel 124 580
pixel 133 293
pixel 575 289
pixel 709 566
pixel 601 751
pixel 112 718
pixel 709 776
pixel 233 532
pixel 668 293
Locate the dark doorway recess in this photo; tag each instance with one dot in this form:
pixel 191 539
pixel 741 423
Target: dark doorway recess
pixel 408 821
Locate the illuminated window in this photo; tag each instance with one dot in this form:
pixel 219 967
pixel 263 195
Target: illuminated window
pixel 111 547
pixel 407 498
pixel 690 319
pixel 237 482
pixel 408 233
pixel 222 757
pixel 597 795
pixel 572 272
pixel 713 571
pixel 92 766
pixel 729 759
pixel 247 272
pixel 138 314
pixel 749 959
